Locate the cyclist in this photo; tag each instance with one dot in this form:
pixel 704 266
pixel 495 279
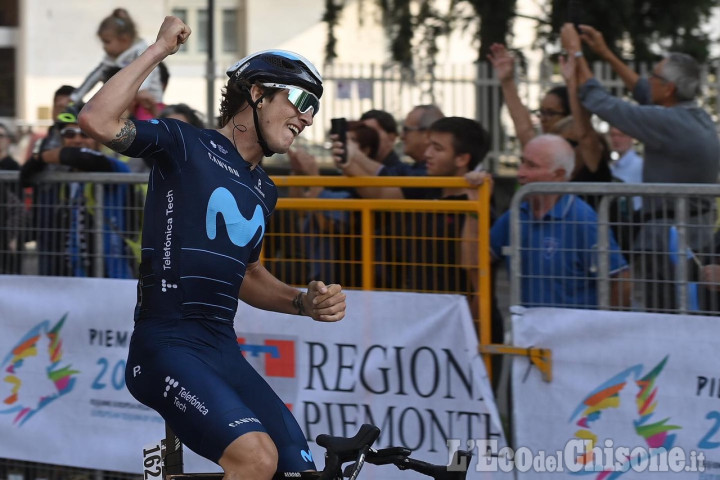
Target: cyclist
pixel 207 207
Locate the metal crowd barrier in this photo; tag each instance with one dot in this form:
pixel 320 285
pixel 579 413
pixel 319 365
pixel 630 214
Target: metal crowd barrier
pixel 666 244
pixel 65 226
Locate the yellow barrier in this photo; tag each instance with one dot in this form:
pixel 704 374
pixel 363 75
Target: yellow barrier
pixel 369 234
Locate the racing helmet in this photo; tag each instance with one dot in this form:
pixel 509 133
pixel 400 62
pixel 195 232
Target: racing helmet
pixel 282 69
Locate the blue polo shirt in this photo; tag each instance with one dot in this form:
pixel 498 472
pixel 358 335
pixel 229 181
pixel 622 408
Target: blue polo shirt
pixel 558 254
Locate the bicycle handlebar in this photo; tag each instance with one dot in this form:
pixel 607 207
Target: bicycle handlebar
pixel 400 457
pixel 340 450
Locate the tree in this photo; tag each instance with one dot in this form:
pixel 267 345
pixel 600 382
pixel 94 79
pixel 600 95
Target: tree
pixel 415 25
pixel 648 27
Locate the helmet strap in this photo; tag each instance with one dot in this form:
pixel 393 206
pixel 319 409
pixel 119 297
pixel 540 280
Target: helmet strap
pixel 261 139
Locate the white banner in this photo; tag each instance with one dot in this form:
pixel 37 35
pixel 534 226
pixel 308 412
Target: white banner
pixel 633 395
pixel 406 362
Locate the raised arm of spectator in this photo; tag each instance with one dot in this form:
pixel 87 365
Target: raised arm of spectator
pixel 360 165
pixel 594 39
pixel 101 118
pixel 589 148
pixel 504 65
pixel 82 159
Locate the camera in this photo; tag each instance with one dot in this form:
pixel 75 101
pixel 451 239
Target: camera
pixel 339 126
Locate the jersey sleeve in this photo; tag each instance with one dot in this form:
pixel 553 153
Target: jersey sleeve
pixel 159 140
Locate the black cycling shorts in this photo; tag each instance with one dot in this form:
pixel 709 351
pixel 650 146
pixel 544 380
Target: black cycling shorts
pixel 193 373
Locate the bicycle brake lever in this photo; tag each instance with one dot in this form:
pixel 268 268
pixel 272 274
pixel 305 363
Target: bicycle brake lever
pixel 385 456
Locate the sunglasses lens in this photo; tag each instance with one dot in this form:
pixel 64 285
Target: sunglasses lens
pixel 304 101
pixel 71 133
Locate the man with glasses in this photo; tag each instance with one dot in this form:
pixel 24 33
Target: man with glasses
pixel 681 146
pixel 208 204
pixel 415 142
pixel 415 139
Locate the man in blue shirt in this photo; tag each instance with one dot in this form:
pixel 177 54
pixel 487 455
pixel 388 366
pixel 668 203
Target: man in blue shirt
pixel 559 236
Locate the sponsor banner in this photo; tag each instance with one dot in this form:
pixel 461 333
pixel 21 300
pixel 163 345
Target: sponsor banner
pixel 405 362
pixel 633 395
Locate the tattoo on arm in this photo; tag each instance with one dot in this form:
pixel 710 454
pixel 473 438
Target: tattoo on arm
pixel 124 138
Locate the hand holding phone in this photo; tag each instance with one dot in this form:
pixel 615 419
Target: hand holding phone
pixel 339 126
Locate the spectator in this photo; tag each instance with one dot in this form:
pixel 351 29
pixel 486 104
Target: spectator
pixel 627 164
pixel 122 45
pixel 47 210
pixel 415 140
pixel 681 145
pixel 455 147
pixel 51 138
pixel 592 153
pixel 80 253
pixel 12 211
pixel 386 127
pixel 626 167
pixel 559 236
pixel 184 113
pixel 329 236
pixel 554 106
pixel 7 162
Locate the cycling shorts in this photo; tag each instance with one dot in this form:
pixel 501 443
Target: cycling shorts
pixel 193 373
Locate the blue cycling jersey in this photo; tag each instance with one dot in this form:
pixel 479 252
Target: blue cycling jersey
pixel 205 219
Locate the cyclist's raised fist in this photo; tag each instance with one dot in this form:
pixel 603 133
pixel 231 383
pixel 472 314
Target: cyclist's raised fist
pixel 173 33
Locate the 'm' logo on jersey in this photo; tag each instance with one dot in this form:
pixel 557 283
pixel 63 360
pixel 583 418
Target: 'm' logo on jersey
pixel 240 230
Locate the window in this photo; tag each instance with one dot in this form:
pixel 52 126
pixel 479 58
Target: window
pixel 229 30
pixel 202 30
pixel 7 80
pixel 9 13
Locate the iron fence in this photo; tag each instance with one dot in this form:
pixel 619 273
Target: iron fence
pixel 663 253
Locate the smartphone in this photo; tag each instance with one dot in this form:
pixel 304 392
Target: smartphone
pixel 338 126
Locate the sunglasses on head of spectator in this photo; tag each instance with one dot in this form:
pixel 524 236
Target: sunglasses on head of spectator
pixel 548 113
pixel 71 132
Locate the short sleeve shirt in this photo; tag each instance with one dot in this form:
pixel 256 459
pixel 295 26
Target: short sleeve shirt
pixel 558 254
pixel 205 218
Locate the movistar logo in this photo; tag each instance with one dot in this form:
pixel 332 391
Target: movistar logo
pixel 240 229
pixel 306 455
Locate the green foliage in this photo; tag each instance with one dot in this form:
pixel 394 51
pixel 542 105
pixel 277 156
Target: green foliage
pixel 414 26
pixel 331 17
pixel 643 28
